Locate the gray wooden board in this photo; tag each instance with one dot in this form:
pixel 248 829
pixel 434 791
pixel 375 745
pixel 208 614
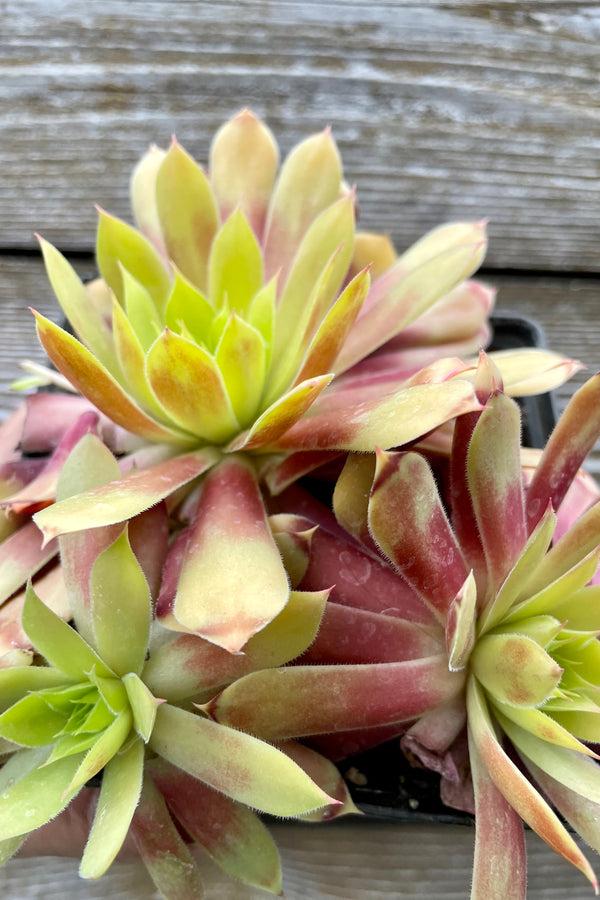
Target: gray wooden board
pixel 351 860
pixel 442 110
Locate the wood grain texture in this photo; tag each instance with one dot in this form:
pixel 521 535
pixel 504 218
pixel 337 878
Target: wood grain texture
pixel 350 860
pixel 442 110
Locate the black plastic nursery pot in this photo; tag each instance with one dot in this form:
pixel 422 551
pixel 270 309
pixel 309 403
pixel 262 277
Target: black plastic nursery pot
pixel 382 781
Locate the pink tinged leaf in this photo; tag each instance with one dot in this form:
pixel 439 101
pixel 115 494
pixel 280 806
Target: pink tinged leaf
pixel 118 247
pixel 50 588
pixel 11 431
pixel 89 377
pixel 342 744
pixel 432 737
pixel 15 475
pixel 241 766
pixel 120 607
pixel 149 537
pixel 389 421
pixel 235 265
pixel 142 189
pixel 408 289
pixel 494 479
pixel 408 522
pixel 43 488
pixel 232 580
pixel 188 214
pixel 463 518
pixel 125 497
pixel 333 330
pixel 580 497
pixel 460 625
pixel 88 323
pixel 500 863
pixel 233 835
pixel 371 249
pixel 514 786
pixel 164 852
pixel 327 776
pixel 581 813
pixel 189 666
pixel 309 182
pixel 48 417
pixel 275 421
pixel 361 580
pixel 243 166
pixel 117 801
pixel 300 502
pixel 89 464
pixel 488 378
pixel 277 704
pixel 21 556
pixel 459 315
pixel 533 370
pixel 513 586
pixel 187 383
pixel 565 764
pixel 570 442
pixel 352 636
pixel 514 669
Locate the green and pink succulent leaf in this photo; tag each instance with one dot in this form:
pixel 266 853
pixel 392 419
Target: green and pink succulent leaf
pixel 568 445
pixel 229 545
pixel 124 497
pixel 232 834
pixel 499 864
pixel 237 764
pixel 304 700
pixel 420 543
pixel 189 666
pixel 167 857
pixel 514 786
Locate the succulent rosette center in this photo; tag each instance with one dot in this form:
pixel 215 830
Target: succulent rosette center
pixel 232 330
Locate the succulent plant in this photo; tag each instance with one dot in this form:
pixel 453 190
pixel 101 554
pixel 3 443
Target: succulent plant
pixel 237 333
pixel 464 613
pixel 243 336
pixel 118 695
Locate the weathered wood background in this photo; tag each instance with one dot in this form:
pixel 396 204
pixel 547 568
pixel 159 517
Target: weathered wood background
pixel 442 110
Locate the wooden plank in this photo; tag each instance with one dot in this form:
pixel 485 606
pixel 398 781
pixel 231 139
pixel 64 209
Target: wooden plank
pixel 443 110
pixel 567 310
pixel 349 860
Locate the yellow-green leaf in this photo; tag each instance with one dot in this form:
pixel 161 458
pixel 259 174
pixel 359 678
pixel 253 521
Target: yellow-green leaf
pixel 235 265
pixel 187 212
